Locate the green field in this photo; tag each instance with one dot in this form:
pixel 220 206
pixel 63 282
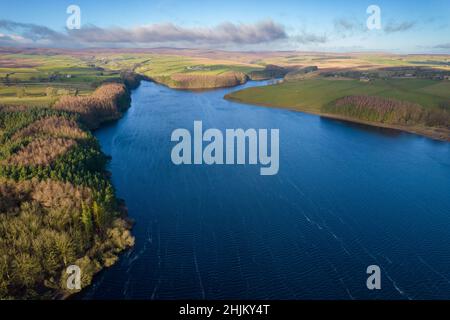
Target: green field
pixel 168 65
pixel 312 95
pixel 25 79
pixel 40 78
pixel 415 105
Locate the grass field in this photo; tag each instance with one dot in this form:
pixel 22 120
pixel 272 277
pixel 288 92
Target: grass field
pixel 312 95
pixel 427 102
pixel 40 77
pixel 39 80
pixel 25 79
pixel 203 72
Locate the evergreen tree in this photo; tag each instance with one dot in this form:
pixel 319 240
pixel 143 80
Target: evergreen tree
pixel 86 219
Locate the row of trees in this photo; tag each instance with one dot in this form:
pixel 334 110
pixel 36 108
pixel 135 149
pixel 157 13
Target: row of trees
pixel 41 151
pixel 106 103
pixel 55 126
pixel 205 81
pixel 392 111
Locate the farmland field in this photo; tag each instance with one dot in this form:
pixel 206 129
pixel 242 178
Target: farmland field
pixel 426 103
pixel 312 95
pixel 39 78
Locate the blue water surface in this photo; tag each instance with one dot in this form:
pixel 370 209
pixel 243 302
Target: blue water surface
pixel 346 197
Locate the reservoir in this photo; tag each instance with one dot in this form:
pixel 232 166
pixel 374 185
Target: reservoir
pixel 345 197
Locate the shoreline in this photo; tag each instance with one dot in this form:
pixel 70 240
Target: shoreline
pixel 428 133
pixel 196 88
pixel 122 109
pixel 436 134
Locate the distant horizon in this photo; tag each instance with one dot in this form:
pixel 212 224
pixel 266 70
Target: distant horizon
pixel 405 27
pixel 138 49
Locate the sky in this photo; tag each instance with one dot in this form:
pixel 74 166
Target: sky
pixel 306 25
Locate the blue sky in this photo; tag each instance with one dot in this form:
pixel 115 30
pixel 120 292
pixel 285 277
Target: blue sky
pixel 324 25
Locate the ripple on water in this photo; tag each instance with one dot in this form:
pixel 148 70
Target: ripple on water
pixel 345 198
